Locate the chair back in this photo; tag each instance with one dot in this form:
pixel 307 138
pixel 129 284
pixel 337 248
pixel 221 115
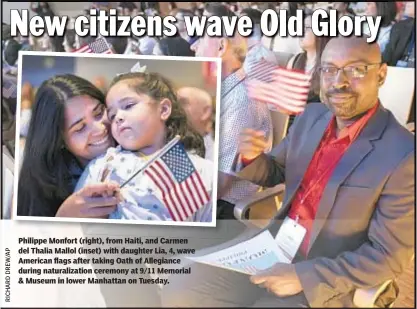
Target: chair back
pixel 397 93
pixel 279 124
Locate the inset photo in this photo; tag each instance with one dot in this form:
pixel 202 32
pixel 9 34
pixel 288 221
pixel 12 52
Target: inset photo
pixel 116 138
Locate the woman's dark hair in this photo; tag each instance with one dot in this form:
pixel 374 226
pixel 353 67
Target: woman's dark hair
pixel 127 5
pixel 57 43
pixel 11 51
pixel 175 46
pixel 387 11
pixel 301 61
pixel 255 15
pixel 119 44
pixel 70 36
pixel 218 9
pixel 158 88
pixel 45 180
pixel 292 9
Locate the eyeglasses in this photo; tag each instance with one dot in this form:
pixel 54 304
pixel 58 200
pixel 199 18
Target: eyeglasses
pixel 356 71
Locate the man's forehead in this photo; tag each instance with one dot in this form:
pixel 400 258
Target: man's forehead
pixel 350 50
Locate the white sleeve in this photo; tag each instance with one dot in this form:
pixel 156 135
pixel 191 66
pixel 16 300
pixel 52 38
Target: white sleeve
pixel 205 213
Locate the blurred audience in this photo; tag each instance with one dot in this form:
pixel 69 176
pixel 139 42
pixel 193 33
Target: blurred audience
pixel 41 8
pixel 127 7
pixel 409 10
pixel 400 49
pixel 173 46
pixel 288 44
pixel 237 112
pixel 343 9
pixel 182 31
pixel 388 12
pixel 256 51
pixel 199 107
pixel 118 44
pixel 8 124
pixel 172 8
pixel 309 59
pixel 101 83
pixel 11 52
pixel 70 40
pixel 27 98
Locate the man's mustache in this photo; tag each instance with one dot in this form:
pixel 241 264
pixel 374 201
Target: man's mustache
pixel 340 92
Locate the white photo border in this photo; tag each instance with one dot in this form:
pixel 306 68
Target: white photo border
pixel 116 56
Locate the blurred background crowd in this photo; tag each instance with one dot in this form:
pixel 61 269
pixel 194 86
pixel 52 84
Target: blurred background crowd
pixel 396 40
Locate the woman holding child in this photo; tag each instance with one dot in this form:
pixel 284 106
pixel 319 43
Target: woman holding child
pixel 70 128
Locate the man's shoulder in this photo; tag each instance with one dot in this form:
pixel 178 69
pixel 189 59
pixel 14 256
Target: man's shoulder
pixel 398 136
pixel 313 111
pixel 316 107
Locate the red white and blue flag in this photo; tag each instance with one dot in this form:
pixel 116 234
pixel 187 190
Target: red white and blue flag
pixel 285 90
pixel 98 46
pixel 182 188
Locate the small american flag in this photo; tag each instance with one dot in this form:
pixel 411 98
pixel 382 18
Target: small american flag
pixel 9 88
pixel 282 89
pixel 181 186
pixel 262 70
pixel 99 46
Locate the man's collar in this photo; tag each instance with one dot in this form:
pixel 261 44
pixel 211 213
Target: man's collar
pixel 232 81
pixel 355 128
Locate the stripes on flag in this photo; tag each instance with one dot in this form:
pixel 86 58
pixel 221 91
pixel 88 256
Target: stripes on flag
pixel 287 90
pixel 98 46
pixel 262 70
pixel 181 186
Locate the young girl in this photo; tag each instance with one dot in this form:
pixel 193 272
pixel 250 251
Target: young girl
pixel 145 115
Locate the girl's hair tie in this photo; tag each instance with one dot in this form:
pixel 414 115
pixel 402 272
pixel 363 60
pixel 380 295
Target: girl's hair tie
pixel 135 69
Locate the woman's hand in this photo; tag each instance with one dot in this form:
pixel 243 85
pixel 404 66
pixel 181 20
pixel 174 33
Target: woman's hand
pixel 92 201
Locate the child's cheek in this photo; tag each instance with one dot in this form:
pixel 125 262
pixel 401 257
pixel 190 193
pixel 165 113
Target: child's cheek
pixel 113 129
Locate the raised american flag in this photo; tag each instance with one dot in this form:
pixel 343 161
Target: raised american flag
pixel 262 70
pixel 285 90
pixel 182 188
pixel 98 46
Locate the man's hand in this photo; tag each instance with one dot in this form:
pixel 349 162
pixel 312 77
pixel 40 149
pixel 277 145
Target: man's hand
pixel 281 279
pixel 252 143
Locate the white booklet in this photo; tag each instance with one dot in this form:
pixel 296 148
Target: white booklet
pixel 249 257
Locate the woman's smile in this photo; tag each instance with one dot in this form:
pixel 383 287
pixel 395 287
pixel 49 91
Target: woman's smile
pixel 100 142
